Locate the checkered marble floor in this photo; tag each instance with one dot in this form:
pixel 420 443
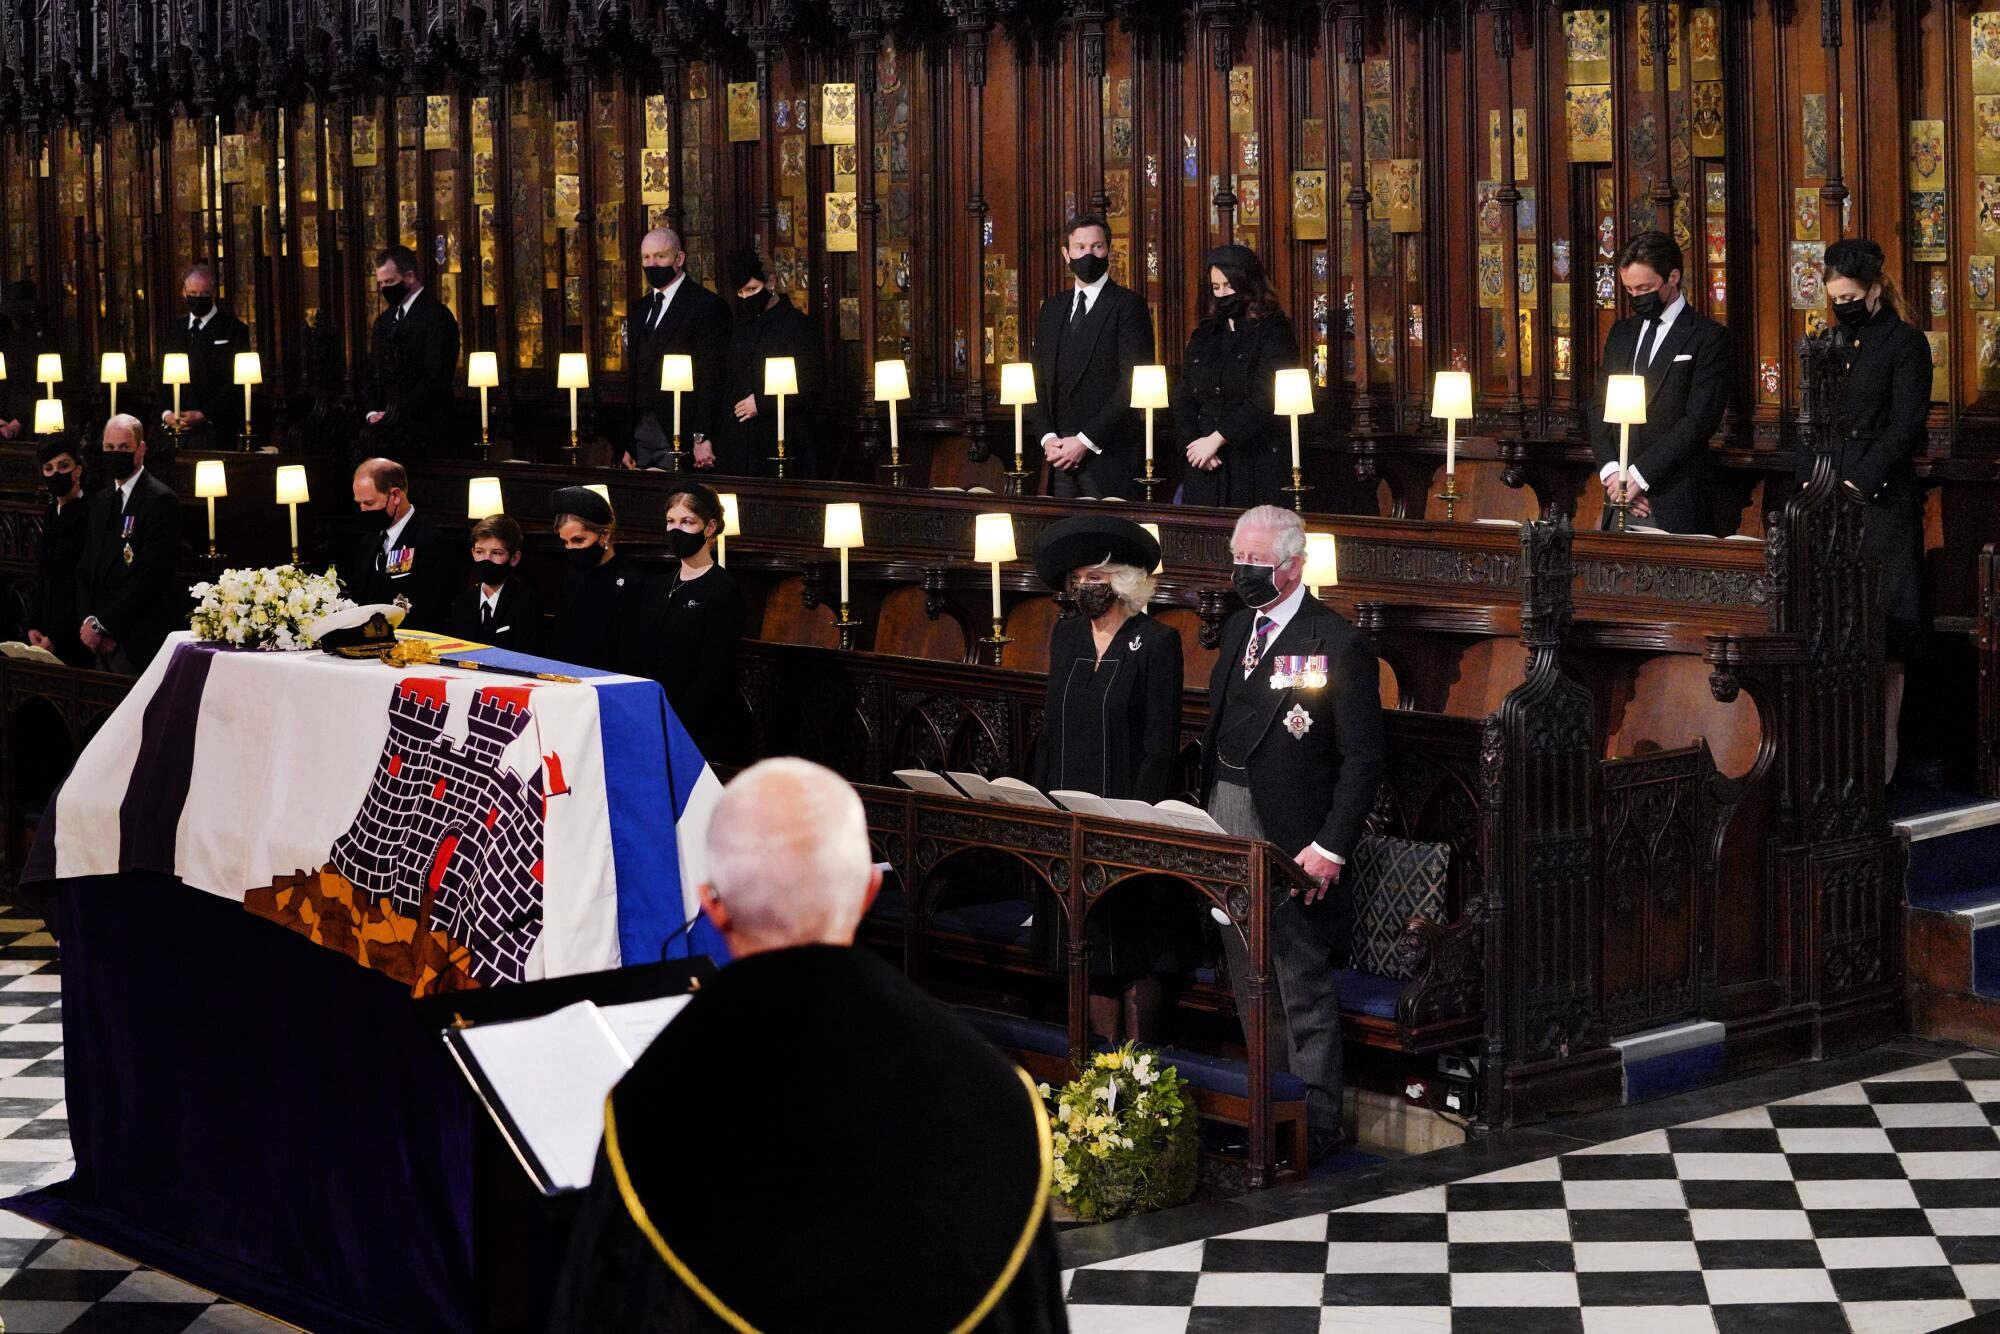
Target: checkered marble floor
pixel 1869 1207
pixel 49 1282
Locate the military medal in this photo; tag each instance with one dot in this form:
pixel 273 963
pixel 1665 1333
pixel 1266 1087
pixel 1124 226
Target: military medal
pixel 1298 722
pixel 1298 672
pixel 128 553
pixel 125 530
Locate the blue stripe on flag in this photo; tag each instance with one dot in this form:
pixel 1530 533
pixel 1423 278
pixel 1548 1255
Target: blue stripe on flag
pixel 528 662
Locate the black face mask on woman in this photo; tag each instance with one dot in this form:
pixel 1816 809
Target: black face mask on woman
pixel 583 558
pixel 1851 314
pixel 1093 600
pixel 59 483
pixel 1231 307
pixel 683 543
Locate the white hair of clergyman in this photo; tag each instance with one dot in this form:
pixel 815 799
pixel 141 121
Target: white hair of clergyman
pixel 1133 585
pixel 788 852
pixel 1287 530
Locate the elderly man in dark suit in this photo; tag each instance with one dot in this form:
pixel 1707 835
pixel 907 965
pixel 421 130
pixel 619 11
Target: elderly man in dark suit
pixel 211 402
pixel 1087 340
pixel 126 591
pixel 1293 753
pixel 679 316
pixel 1684 356
pixel 412 360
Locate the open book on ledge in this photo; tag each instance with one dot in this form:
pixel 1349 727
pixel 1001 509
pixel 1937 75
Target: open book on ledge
pixel 14 648
pixel 1168 814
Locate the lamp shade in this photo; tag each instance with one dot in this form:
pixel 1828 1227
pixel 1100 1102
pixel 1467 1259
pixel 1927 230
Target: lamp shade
pixel 482 371
pixel 843 524
pixel 1017 383
pixel 732 520
pixel 1149 386
pixel 1292 396
pixel 249 368
pixel 600 488
pixel 482 497
pixel 48 416
pixel 781 375
pixel 112 369
pixel 1625 400
pixel 1154 529
pixel 3 366
pixel 892 381
pixel 993 538
pixel 1451 395
pixel 292 488
pixel 48 367
pixel 174 369
pixel 1322 561
pixel 211 480
pixel 572 371
pixel 676 372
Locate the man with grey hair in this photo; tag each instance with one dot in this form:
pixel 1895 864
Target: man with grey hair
pixel 211 414
pixel 678 315
pixel 125 585
pixel 813 1143
pixel 1293 753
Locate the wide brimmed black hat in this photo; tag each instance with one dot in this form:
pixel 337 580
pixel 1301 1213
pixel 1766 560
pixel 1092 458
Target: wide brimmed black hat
pixel 581 501
pixel 1091 539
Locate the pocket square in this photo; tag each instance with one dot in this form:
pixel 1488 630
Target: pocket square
pixel 221 342
pixel 1683 356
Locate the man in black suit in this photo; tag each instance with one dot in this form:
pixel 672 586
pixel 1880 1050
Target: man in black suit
pixel 1684 356
pixel 1296 762
pixel 412 360
pixel 395 555
pixel 1087 340
pixel 52 615
pixel 678 315
pixel 126 589
pixel 211 401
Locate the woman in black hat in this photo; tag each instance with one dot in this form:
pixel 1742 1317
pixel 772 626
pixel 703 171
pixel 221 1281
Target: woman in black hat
pixel 768 325
pixel 690 626
pixel 594 627
pixel 1884 407
pixel 1236 449
pixel 1111 727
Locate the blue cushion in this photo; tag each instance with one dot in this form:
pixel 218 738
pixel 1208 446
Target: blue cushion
pixel 1214 1073
pixel 1369 993
pixel 1002 923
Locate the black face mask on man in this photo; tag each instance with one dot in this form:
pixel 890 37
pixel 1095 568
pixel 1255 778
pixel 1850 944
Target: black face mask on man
pixel 1648 305
pixel 661 275
pixel 1255 584
pixel 122 462
pixel 199 306
pixel 394 293
pixel 1089 268
pixel 376 521
pixel 1093 600
pixel 495 571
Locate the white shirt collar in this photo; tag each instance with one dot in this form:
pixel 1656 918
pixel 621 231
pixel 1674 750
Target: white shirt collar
pixel 1670 314
pixel 125 487
pixel 1287 607
pixel 202 323
pixel 490 601
pixel 1091 291
pixel 411 300
pixel 396 529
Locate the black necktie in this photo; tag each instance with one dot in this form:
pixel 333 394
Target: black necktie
pixel 1644 357
pixel 399 314
pixel 485 614
pixel 659 309
pixel 1080 309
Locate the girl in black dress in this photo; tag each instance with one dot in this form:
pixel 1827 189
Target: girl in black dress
pixel 1111 727
pixel 1885 405
pixel 1237 450
pixel 600 587
pixel 690 624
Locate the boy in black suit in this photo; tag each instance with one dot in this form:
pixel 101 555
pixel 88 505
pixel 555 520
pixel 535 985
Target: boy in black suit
pixel 502 608
pixel 1684 356
pixel 1087 340
pixel 211 401
pixel 396 555
pixel 412 359
pixel 1296 762
pixel 678 315
pixel 126 591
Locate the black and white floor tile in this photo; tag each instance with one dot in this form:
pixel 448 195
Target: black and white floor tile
pixel 49 1282
pixel 1871 1207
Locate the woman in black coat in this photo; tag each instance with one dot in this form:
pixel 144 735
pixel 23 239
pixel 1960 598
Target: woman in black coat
pixel 1111 727
pixel 769 325
pixel 1238 452
pixel 690 626
pixel 1885 404
pixel 600 600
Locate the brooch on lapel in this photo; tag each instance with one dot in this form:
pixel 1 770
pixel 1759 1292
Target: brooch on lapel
pixel 1308 673
pixel 1298 722
pixel 1137 640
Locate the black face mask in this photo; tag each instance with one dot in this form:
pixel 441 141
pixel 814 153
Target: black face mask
pixel 394 293
pixel 583 558
pixel 1648 305
pixel 659 275
pixel 1254 584
pixel 376 521
pixel 683 544
pixel 122 462
pixel 1089 267
pixel 59 483
pixel 495 572
pixel 1851 314
pixel 746 307
pixel 1093 600
pixel 199 306
pixel 1231 307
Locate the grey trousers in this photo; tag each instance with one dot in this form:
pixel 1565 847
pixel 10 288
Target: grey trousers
pixel 1304 1027
pixel 652 443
